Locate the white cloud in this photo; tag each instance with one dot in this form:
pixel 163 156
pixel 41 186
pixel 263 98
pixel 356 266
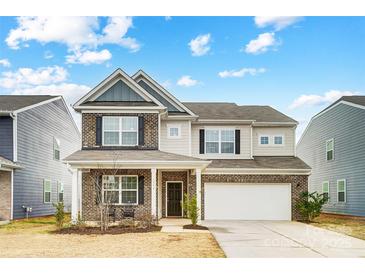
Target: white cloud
pixel 315 100
pixel 77 33
pixel 199 46
pixel 241 73
pixel 89 57
pixel 5 62
pixel 186 81
pixel 278 22
pixel 24 77
pixel 168 18
pixel 48 54
pixel 261 44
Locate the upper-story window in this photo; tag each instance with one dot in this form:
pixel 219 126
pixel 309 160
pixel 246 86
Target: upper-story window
pixel 120 131
pixel 278 140
pixel 271 140
pixel 264 140
pixel 173 131
pixel 330 149
pixel 56 148
pixel 219 141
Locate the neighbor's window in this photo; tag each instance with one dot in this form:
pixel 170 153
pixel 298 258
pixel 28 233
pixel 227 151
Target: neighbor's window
pixel 264 140
pixel 120 189
pixel 60 191
pixel 56 148
pixel 341 190
pixel 120 131
pixel 46 191
pixel 173 131
pixel 326 190
pixel 219 140
pixel 329 149
pixel 278 140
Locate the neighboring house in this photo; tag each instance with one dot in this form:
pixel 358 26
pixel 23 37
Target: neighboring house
pixel 332 145
pixel 239 160
pixel 36 132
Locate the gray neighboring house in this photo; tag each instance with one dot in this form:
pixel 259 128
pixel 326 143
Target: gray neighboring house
pixel 36 132
pixel 332 145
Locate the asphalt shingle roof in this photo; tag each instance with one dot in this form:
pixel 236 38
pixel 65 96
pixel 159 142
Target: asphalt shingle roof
pixel 15 102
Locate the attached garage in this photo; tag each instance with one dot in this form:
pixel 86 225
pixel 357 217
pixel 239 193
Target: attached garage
pixel 240 201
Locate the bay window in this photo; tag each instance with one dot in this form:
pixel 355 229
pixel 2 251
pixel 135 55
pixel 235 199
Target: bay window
pixel 120 131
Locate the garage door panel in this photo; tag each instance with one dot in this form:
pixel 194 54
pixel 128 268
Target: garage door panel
pixel 224 201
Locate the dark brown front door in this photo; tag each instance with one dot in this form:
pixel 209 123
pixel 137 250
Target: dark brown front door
pixel 174 198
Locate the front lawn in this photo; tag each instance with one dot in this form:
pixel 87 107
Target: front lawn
pixel 34 238
pixel 354 227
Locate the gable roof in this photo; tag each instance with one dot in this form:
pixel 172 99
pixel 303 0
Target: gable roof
pixel 10 103
pixel 108 82
pixel 232 111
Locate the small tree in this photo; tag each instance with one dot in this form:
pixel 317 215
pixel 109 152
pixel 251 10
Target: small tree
pixel 310 204
pixel 59 214
pixel 191 209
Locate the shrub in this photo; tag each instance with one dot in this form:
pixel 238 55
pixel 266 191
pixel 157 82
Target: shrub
pixel 59 214
pixel 190 207
pixel 145 220
pixel 310 204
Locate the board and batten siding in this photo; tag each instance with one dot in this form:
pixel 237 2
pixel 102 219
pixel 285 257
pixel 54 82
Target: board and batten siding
pixel 175 145
pixel 36 129
pixel 245 142
pixel 6 137
pixel 346 125
pixel 274 150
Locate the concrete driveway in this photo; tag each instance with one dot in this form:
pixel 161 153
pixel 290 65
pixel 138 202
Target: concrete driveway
pixel 268 239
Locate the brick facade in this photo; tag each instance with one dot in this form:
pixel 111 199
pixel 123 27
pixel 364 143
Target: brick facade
pixel 90 209
pixel 299 183
pixel 172 176
pixel 5 195
pixel 89 129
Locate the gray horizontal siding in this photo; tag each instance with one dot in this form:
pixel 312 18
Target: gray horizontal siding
pixel 36 129
pixel 6 137
pixel 346 124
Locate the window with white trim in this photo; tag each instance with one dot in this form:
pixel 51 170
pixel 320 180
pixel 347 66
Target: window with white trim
pixel 341 191
pixel 219 141
pixel 56 149
pixel 60 191
pixel 120 189
pixel 264 140
pixel 278 140
pixel 47 190
pixel 120 131
pixel 330 149
pixel 173 131
pixel 326 190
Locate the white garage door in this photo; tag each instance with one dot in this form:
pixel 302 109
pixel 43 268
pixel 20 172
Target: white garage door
pixel 224 201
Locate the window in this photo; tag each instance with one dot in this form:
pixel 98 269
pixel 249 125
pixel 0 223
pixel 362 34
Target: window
pixel 56 149
pixel 120 131
pixel 173 131
pixel 120 189
pixel 60 191
pixel 326 190
pixel 46 191
pixel 278 140
pixel 341 191
pixel 264 140
pixel 219 141
pixel 329 149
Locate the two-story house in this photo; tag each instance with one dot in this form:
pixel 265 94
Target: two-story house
pixel 332 145
pixel 36 132
pixel 239 160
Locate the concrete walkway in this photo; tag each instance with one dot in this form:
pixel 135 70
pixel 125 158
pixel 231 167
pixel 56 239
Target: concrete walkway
pixel 269 239
pixel 173 225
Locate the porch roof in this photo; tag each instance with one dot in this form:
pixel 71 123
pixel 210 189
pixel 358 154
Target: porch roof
pixel 7 164
pixel 133 159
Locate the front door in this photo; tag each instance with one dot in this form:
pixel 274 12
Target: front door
pixel 174 198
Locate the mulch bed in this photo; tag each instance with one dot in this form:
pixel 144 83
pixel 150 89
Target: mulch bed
pixel 198 227
pixel 113 230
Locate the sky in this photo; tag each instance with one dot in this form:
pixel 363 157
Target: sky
pixel 298 65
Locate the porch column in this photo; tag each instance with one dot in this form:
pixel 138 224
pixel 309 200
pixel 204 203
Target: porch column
pixel 153 192
pixel 75 196
pixel 198 174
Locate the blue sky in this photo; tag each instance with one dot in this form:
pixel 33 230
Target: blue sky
pixel 295 64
